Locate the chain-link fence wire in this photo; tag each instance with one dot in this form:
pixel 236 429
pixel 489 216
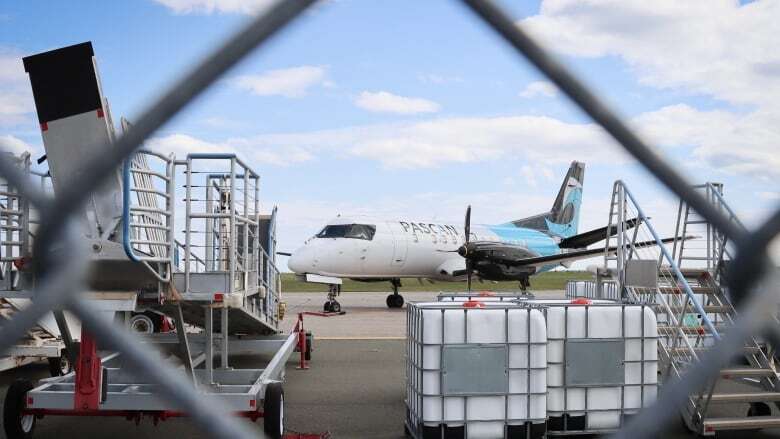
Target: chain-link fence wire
pixel 61 278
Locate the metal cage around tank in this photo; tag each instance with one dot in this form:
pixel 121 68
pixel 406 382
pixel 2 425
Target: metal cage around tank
pixel 512 380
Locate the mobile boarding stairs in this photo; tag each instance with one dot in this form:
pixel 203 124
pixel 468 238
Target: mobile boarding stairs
pixel 686 287
pixel 43 341
pixel 218 284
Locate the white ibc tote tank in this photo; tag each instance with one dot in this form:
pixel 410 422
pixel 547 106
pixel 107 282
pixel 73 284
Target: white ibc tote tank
pixel 476 370
pixel 602 362
pixel 485 296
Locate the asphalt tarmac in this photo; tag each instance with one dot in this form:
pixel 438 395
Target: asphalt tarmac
pixel 353 389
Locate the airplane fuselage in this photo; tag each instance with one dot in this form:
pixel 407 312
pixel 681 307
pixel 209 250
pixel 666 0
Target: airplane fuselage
pixel 411 249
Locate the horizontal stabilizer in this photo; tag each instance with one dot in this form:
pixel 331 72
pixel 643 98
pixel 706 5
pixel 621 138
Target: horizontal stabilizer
pixel 580 254
pixel 593 236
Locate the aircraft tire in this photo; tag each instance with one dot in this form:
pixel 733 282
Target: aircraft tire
pixel 394 301
pixel 326 307
pixel 335 307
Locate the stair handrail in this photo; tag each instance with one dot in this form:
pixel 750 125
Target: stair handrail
pixel 675 269
pixel 126 210
pixel 725 205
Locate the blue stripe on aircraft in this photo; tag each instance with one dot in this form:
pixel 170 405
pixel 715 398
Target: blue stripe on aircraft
pixel 534 240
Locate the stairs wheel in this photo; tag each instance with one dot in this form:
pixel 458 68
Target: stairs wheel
pixel 273 411
pixel 60 366
pixel 15 424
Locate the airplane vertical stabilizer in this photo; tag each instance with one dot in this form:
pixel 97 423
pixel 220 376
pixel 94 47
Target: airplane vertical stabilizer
pixel 563 219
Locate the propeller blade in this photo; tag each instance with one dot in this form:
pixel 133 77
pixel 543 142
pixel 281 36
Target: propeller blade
pixel 464 249
pixel 284 253
pixel 467 224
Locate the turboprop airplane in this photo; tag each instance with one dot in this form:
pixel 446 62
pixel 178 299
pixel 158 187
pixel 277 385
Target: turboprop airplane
pixel 371 249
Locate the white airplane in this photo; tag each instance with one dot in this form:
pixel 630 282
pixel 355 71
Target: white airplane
pixel 372 249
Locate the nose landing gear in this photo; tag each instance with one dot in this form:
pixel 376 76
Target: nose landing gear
pixel 332 305
pixel 395 300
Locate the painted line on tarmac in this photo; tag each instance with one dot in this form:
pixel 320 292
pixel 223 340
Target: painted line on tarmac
pixel 316 337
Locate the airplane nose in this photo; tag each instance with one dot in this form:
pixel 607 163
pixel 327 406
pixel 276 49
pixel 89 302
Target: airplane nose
pixel 300 260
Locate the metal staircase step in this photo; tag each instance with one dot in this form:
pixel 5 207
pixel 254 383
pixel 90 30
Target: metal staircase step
pixel 693 330
pixel 692 273
pixel 695 290
pixel 691 309
pixel 683 350
pixel 752 422
pixel 745 397
pixel 739 372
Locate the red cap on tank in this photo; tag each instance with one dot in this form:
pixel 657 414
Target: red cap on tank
pixel 473 304
pixel 581 301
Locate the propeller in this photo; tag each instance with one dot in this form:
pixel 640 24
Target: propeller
pixel 464 249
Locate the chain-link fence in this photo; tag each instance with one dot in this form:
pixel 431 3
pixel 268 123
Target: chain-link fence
pixel 751 278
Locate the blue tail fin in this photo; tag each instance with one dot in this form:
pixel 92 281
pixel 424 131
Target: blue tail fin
pixel 564 217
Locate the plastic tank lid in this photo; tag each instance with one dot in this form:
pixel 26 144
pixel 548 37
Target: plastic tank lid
pixel 581 301
pixel 473 304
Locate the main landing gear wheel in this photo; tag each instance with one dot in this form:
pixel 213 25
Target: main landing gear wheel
pixel 273 411
pixel 394 301
pixel 60 366
pixel 15 424
pixel 332 306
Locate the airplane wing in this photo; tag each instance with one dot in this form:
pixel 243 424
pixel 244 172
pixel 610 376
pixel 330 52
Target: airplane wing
pixel 577 254
pixel 593 236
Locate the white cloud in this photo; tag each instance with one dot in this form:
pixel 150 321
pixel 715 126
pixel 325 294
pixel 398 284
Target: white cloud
pixel 385 102
pixel 248 7
pixel 539 88
pixel 731 142
pixel 437 142
pixel 16 101
pixel 183 144
pixel 9 143
pixel 727 141
pixel 529 175
pixel 767 195
pixel 291 82
pixel 11 68
pixel 719 48
pixel 716 47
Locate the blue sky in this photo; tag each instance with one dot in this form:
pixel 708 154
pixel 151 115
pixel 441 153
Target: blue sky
pixel 417 109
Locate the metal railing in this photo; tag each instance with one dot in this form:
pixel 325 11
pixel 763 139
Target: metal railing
pixel 592 290
pixel 62 279
pixel 148 215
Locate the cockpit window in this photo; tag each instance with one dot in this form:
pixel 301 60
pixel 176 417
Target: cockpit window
pixel 354 231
